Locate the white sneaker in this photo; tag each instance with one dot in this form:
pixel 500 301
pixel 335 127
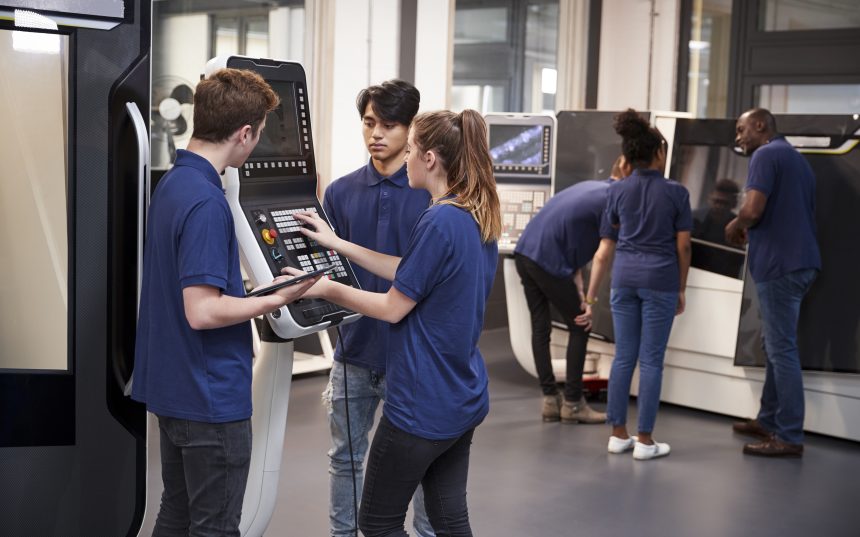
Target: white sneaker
pixel 620 445
pixel 643 452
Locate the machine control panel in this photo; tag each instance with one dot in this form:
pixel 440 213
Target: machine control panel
pixel 279 236
pixel 522 147
pixel 278 180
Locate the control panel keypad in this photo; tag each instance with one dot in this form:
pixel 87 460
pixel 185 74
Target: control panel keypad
pixel 279 223
pixel 518 208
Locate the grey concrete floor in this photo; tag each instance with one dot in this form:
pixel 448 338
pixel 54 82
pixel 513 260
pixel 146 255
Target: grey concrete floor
pixel 529 478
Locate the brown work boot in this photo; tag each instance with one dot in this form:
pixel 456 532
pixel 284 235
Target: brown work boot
pixel 551 407
pixel 580 412
pixel 774 447
pixel 751 428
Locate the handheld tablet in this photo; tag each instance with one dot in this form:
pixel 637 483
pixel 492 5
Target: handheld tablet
pixel 272 288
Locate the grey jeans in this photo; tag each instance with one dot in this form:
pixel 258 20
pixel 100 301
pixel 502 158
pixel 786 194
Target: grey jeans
pixel 204 467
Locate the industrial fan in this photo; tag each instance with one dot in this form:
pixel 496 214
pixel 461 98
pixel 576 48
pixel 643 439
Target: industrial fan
pixel 171 115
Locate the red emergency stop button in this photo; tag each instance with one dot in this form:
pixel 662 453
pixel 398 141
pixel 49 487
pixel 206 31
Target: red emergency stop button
pixel 267 236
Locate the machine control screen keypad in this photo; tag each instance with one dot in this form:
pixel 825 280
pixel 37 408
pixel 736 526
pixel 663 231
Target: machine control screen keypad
pixel 518 207
pixel 279 232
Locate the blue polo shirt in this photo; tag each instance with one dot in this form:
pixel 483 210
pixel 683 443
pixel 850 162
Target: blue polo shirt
pixel 436 385
pixel 179 372
pixel 378 213
pixel 563 236
pixel 784 240
pixel 649 211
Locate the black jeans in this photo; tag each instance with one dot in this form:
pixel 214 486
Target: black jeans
pixel 397 462
pixel 204 467
pixel 543 289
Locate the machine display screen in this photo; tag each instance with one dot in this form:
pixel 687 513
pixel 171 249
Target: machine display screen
pixel 520 148
pixel 281 137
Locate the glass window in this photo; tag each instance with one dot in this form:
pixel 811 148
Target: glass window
pixel 710 35
pixel 257 37
pixel 810 98
pixel 715 176
pixel 483 98
pixel 186 35
pixel 781 15
pixel 226 36
pixel 505 55
pixel 33 201
pixel 481 25
pixel 540 74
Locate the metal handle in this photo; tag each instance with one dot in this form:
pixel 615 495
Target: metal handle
pixel 143 179
pixel 143 182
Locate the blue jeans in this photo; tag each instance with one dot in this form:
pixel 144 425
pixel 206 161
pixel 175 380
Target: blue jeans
pixel 366 389
pixel 398 463
pixel 643 320
pixel 204 467
pixel 782 405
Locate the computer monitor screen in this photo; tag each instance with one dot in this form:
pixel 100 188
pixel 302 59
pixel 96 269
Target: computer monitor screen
pixel 520 148
pixel 715 176
pixel 281 138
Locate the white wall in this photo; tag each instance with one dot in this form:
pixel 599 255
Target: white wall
pixel 182 46
pixel 625 41
pixel 363 48
pixel 287 33
pixel 434 52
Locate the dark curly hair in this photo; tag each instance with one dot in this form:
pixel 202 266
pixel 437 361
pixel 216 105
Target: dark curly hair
pixel 640 142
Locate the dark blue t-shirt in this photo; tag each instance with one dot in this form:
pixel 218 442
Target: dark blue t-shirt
pixel 179 372
pixel 564 235
pixel 436 385
pixel 378 213
pixel 784 240
pixel 649 211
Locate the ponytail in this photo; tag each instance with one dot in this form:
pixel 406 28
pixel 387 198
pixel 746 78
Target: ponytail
pixel 460 142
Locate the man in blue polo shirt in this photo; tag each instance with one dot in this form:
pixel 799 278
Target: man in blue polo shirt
pixel 778 219
pixel 550 253
pixel 374 208
pixel 193 347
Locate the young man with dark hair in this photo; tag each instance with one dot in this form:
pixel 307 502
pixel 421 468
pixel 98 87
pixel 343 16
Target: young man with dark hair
pixel 778 219
pixel 375 208
pixel 193 349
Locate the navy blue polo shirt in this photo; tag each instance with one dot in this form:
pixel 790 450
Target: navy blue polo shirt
pixel 436 385
pixel 179 372
pixel 563 236
pixel 649 211
pixel 784 239
pixel 377 213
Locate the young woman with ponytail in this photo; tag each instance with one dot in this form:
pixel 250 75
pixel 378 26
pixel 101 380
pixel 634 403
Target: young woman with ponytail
pixel 649 236
pixel 436 383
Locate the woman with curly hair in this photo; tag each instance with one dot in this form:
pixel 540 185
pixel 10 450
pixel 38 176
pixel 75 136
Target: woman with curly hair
pixel 648 233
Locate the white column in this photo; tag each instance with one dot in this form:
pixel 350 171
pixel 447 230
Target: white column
pixel 627 43
pixel 434 53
